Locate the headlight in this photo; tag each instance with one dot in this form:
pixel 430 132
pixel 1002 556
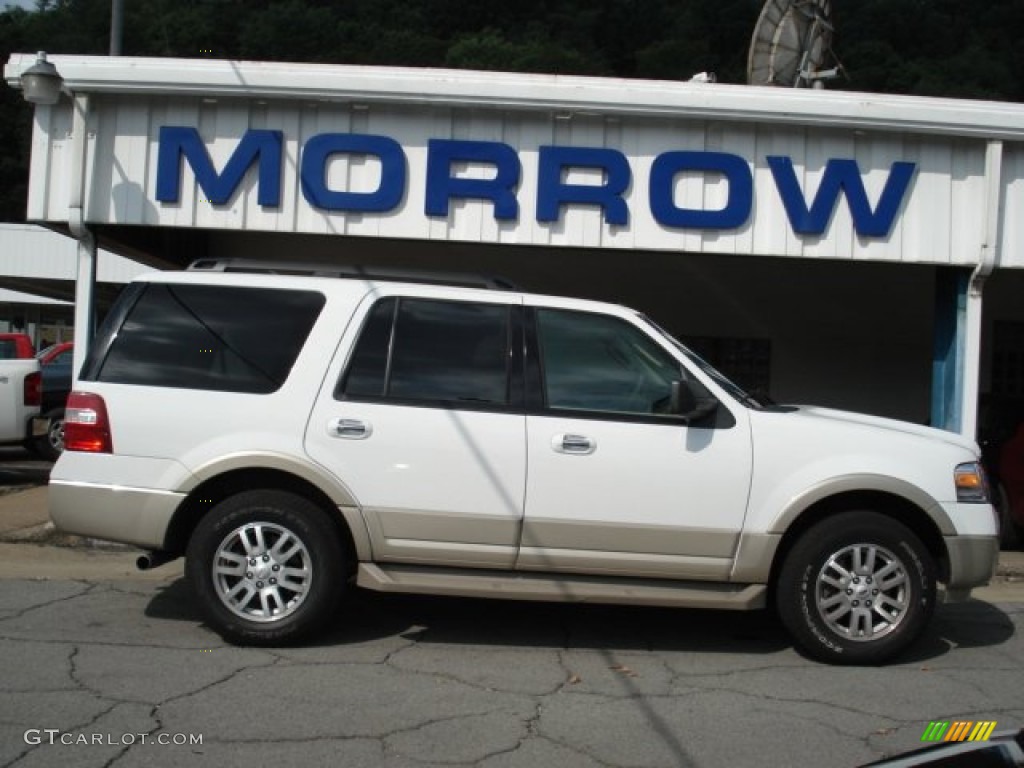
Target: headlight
pixel 971 483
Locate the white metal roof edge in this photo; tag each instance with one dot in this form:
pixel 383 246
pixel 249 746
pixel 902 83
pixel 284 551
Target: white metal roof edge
pixel 9 296
pixel 503 90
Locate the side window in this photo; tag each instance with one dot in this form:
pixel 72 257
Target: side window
pixel 230 339
pixel 433 351
pixel 593 362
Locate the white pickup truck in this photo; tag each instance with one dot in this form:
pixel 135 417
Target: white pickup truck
pixel 20 395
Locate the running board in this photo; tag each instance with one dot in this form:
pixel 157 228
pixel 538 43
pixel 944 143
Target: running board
pixel 565 588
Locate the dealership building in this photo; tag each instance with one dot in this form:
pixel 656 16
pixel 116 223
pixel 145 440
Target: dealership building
pixel 864 251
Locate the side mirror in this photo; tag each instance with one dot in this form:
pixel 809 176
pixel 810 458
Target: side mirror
pixel 684 403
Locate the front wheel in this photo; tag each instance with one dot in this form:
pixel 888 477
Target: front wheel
pixel 857 588
pixel 267 567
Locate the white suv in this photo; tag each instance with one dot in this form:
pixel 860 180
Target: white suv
pixel 292 434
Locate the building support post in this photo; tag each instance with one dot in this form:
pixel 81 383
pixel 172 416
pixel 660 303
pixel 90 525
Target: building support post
pixel 956 359
pixel 988 258
pixel 987 261
pixel 85 278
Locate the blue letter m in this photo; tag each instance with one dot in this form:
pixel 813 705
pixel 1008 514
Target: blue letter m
pixel 177 142
pixel 841 176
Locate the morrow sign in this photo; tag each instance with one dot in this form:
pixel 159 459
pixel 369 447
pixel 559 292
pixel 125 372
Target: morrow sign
pixel 841 177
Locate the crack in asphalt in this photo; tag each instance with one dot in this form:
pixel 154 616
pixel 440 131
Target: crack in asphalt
pixel 384 738
pixel 89 588
pixel 529 708
pixel 111 643
pixel 72 728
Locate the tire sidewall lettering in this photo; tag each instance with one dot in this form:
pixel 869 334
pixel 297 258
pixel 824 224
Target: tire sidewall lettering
pixel 797 586
pixel 303 520
pixel 810 613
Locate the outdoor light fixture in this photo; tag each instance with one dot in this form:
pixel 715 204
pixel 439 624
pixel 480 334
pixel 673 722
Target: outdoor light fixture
pixel 41 83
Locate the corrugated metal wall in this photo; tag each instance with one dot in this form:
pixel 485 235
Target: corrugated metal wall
pixel 940 222
pixel 28 251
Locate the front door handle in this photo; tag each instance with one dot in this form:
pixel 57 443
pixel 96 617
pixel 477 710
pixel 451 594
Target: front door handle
pixel 575 444
pixel 352 429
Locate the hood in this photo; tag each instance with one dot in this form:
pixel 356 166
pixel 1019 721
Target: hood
pixel 831 415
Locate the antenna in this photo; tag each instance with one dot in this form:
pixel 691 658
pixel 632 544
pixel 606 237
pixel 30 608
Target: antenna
pixel 791 40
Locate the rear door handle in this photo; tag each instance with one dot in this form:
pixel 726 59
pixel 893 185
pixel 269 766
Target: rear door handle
pixel 352 429
pixel 575 444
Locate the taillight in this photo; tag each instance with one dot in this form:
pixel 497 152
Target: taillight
pixel 34 388
pixel 86 426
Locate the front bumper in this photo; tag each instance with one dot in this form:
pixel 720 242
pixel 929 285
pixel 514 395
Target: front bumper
pixel 972 561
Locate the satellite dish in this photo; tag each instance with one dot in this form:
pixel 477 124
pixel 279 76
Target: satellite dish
pixel 790 44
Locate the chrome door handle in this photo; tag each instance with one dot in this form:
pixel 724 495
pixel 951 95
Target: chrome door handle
pixel 353 429
pixel 577 444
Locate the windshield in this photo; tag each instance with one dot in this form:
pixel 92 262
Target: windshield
pixel 729 386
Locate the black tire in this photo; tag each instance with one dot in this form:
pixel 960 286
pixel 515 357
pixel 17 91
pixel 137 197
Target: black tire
pixel 51 445
pixel 281 567
pixel 856 631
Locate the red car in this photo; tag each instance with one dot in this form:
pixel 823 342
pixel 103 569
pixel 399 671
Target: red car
pixel 16 346
pixel 51 353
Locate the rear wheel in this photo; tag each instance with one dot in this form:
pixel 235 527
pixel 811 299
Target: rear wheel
pixel 857 588
pixel 51 445
pixel 267 567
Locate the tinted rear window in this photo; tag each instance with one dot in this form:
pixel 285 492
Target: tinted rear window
pixel 211 337
pixel 432 351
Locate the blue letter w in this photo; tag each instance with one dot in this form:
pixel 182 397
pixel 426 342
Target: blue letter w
pixel 841 176
pixel 176 141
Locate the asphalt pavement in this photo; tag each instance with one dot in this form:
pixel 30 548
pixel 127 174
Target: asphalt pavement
pixel 101 665
pixel 95 669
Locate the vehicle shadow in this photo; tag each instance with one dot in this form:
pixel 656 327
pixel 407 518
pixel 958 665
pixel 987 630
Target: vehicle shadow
pixel 366 616
pixel 453 621
pixel 971 624
pixel 19 467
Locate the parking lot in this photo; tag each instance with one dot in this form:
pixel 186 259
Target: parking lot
pixel 99 662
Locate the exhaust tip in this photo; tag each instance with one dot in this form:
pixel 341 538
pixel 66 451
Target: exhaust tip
pixel 150 560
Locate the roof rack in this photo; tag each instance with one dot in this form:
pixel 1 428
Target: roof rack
pixel 351 271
